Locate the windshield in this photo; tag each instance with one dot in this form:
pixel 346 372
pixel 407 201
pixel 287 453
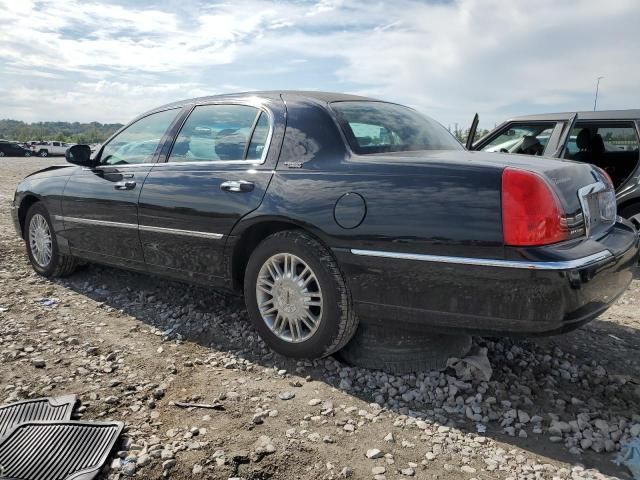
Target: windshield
pixel 378 127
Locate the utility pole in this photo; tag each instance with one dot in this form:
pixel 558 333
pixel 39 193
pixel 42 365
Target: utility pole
pixel 595 102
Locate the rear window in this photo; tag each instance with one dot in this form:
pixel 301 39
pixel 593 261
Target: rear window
pixel 378 127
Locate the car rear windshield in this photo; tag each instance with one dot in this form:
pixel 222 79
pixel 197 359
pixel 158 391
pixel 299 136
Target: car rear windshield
pixel 379 127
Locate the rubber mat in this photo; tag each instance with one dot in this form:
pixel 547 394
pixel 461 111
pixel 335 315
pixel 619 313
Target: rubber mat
pixel 39 409
pixel 67 450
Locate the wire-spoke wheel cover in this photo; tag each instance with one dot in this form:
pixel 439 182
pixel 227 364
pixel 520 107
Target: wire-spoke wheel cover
pixel 289 297
pixel 40 240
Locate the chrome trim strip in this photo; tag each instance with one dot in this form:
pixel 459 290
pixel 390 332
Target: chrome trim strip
pixel 146 228
pixel 177 231
pixel 91 221
pixel 489 262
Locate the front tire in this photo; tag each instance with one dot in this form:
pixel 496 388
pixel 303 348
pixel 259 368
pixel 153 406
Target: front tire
pixel 42 247
pixel 297 298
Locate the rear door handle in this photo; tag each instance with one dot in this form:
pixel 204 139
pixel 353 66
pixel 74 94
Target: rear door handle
pixel 237 186
pixel 128 185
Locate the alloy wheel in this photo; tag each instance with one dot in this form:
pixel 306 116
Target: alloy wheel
pixel 289 297
pixel 40 240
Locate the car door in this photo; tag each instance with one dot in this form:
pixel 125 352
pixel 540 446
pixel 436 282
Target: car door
pixel 100 205
pixel 218 170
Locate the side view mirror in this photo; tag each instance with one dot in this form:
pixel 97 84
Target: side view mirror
pixel 80 155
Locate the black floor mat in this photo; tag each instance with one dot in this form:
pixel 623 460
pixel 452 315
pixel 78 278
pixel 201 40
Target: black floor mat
pixel 57 450
pixel 39 409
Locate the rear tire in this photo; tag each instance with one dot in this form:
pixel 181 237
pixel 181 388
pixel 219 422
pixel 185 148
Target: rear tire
pixel 42 246
pixel 302 308
pixel 398 351
pixel 43 153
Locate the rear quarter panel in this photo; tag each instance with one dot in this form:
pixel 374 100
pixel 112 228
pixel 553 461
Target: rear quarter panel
pixel 428 205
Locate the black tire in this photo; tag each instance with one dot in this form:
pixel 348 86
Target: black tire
pixel 399 351
pixel 60 265
pixel 43 153
pixel 27 154
pixel 337 322
pixel 1 154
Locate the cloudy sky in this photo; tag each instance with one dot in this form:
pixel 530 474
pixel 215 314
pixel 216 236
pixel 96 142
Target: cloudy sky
pixel 83 60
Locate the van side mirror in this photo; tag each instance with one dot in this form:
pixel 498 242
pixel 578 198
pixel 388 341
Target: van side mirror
pixel 80 155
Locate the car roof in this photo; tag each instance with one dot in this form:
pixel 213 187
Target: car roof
pixel 324 97
pixel 585 115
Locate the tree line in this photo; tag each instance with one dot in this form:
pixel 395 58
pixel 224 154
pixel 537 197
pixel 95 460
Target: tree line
pixel 71 132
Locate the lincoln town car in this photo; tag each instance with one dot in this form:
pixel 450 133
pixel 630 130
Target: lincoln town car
pixel 328 210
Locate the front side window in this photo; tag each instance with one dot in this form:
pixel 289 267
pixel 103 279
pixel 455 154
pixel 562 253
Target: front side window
pixel 139 141
pixel 379 127
pixel 524 139
pixel 221 133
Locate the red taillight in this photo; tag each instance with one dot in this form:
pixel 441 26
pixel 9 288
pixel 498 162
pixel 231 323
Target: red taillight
pixel 531 211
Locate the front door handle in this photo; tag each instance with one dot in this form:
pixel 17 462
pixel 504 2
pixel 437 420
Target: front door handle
pixel 128 185
pixel 237 186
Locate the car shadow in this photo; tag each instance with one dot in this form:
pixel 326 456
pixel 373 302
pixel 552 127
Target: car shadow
pixel 557 365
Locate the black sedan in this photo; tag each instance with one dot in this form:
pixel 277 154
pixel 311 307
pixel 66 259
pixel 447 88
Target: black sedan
pixel 327 210
pixel 13 149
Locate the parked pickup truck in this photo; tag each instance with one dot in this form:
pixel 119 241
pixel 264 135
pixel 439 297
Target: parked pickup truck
pixel 44 149
pixel 607 139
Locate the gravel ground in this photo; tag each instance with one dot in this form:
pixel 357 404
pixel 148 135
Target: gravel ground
pixel 133 347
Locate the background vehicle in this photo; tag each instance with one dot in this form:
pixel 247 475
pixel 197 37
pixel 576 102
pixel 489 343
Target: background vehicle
pixel 13 149
pixel 352 210
pixel 45 149
pixel 608 139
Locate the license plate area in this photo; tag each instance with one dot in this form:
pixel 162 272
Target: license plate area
pixel 598 207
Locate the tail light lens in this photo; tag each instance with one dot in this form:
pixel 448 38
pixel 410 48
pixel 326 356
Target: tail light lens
pixel 531 211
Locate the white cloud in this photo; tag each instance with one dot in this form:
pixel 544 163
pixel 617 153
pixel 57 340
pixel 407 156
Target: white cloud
pixel 103 61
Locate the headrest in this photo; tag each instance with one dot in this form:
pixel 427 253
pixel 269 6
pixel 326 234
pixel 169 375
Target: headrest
pixel 230 145
pixel 583 140
pixel 597 144
pixel 528 141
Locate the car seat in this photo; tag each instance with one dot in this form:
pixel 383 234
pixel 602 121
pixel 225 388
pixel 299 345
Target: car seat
pixel 583 142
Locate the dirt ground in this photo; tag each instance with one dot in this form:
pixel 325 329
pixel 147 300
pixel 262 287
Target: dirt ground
pixel 130 346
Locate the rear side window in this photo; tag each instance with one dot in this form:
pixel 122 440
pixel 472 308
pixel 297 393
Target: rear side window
pixel 222 133
pixel 259 138
pixel 379 127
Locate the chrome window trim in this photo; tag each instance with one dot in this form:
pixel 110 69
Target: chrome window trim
pixel 489 262
pixel 145 228
pixel 267 144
